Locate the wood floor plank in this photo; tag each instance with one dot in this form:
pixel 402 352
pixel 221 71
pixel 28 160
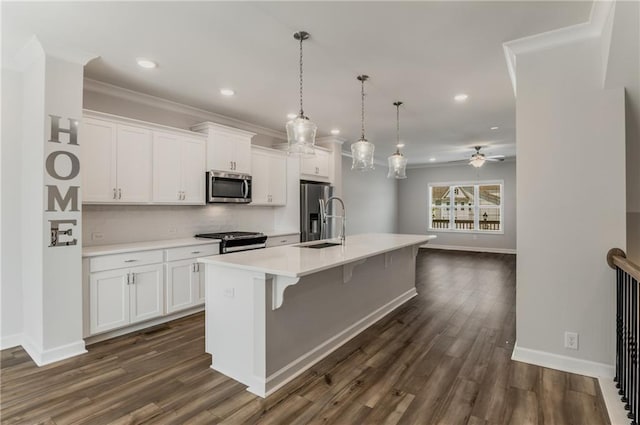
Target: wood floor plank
pixel 443 358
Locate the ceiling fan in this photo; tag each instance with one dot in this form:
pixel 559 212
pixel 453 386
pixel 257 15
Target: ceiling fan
pixel 478 159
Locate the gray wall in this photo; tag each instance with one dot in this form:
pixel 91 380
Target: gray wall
pixel 413 198
pixel 371 200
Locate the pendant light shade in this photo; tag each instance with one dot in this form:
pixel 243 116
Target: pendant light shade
pixel 397 161
pixel 477 161
pixel 301 132
pixel 362 150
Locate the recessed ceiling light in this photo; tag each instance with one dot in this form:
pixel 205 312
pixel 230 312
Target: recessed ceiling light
pixel 146 63
pixel 227 92
pixel 335 131
pixel 400 145
pixel 432 159
pixel 461 97
pixel 291 115
pixel 494 128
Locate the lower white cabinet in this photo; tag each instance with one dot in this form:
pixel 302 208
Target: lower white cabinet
pixel 120 297
pixel 164 282
pixel 283 240
pixel 183 285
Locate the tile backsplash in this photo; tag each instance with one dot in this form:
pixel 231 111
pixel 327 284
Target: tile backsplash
pixel 114 224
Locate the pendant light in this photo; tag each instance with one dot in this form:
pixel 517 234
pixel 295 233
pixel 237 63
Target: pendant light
pixel 397 161
pixel 362 150
pixel 301 132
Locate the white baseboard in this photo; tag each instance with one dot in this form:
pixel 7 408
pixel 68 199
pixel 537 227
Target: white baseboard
pixel 278 379
pixel 615 408
pixel 44 357
pixel 10 341
pixel 469 248
pixel 563 363
pixel 139 326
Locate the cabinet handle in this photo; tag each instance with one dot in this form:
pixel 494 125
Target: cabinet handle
pixel 130 261
pixel 133 278
pixel 115 193
pixel 128 278
pixel 184 195
pixel 283 241
pixel 198 267
pixel 119 193
pixel 193 267
pixel 195 252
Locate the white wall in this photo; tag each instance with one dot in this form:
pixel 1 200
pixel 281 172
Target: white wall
pixel 623 69
pixel 370 198
pixel 571 201
pixel 10 260
pixel 413 198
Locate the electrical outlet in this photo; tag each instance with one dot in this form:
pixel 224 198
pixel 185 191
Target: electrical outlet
pixel 96 236
pixel 571 340
pixel 229 292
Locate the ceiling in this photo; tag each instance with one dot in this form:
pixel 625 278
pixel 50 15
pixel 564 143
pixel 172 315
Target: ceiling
pixel 422 53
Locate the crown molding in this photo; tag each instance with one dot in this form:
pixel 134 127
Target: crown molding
pixel 591 29
pixel 169 105
pixel 331 139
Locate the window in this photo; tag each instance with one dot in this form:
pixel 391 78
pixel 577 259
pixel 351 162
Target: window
pixel 470 207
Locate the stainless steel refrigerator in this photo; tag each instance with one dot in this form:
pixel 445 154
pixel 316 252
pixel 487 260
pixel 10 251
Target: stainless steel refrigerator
pixel 310 224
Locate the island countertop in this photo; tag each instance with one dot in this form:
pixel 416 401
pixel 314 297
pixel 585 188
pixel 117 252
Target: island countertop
pixel 297 261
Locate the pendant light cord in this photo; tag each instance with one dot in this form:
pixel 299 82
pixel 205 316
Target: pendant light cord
pixel 362 137
pixel 397 124
pixel 301 110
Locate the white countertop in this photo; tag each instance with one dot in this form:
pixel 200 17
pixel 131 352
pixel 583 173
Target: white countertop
pixel 296 261
pixel 94 251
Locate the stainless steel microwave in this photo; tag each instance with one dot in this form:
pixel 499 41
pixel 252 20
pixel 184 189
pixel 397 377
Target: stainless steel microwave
pixel 228 187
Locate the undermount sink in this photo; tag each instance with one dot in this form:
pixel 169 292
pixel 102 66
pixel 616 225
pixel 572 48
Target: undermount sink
pixel 320 245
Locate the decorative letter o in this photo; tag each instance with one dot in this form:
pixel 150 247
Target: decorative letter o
pixel 51 165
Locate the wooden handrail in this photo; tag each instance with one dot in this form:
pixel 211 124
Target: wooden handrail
pixel 617 258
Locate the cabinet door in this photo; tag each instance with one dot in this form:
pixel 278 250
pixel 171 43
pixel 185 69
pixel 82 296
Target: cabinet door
pixel 322 162
pixel 134 164
pixel 193 171
pixel 98 152
pixel 201 283
pixel 308 165
pixel 260 163
pixel 278 180
pixel 182 285
pixel 146 299
pixel 221 152
pixel 167 168
pixel 108 300
pixel 242 155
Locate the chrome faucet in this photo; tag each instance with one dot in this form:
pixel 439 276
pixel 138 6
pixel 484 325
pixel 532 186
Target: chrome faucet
pixel 324 211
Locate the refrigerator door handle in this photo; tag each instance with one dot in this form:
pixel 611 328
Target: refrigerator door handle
pixel 323 219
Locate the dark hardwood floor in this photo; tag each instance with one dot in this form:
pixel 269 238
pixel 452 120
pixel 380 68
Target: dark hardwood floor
pixel 442 358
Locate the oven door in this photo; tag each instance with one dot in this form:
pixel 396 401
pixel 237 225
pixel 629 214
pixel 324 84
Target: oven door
pixel 228 188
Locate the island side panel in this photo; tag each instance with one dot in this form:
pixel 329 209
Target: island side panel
pixel 235 323
pixel 321 312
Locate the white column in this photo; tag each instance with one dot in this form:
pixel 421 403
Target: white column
pixel 52 80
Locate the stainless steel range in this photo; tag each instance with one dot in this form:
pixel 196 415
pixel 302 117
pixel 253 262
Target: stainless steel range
pixel 237 241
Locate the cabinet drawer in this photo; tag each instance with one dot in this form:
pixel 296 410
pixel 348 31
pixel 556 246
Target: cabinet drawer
pixel 283 240
pixel 193 251
pixel 130 259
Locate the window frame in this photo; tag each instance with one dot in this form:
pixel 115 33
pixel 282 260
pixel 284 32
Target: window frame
pixel 476 207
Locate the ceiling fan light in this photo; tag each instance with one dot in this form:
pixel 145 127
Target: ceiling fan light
pixel 477 161
pixel 301 135
pixel 397 166
pixel 362 154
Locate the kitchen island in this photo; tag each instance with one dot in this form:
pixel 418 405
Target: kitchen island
pixel 273 313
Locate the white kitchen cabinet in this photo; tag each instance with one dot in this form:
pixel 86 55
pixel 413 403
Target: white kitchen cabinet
pixel 178 169
pixel 182 285
pixel 147 293
pixel 134 164
pixel 228 148
pixel 124 296
pixel 316 167
pixel 98 149
pixel 269 177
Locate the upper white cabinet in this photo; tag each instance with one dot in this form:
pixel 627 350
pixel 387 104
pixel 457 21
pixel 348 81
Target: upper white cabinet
pixel 129 161
pixel 228 148
pixel 178 169
pixel 269 177
pixel 316 167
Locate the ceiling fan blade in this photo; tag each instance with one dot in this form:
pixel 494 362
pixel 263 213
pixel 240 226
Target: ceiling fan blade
pixel 495 158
